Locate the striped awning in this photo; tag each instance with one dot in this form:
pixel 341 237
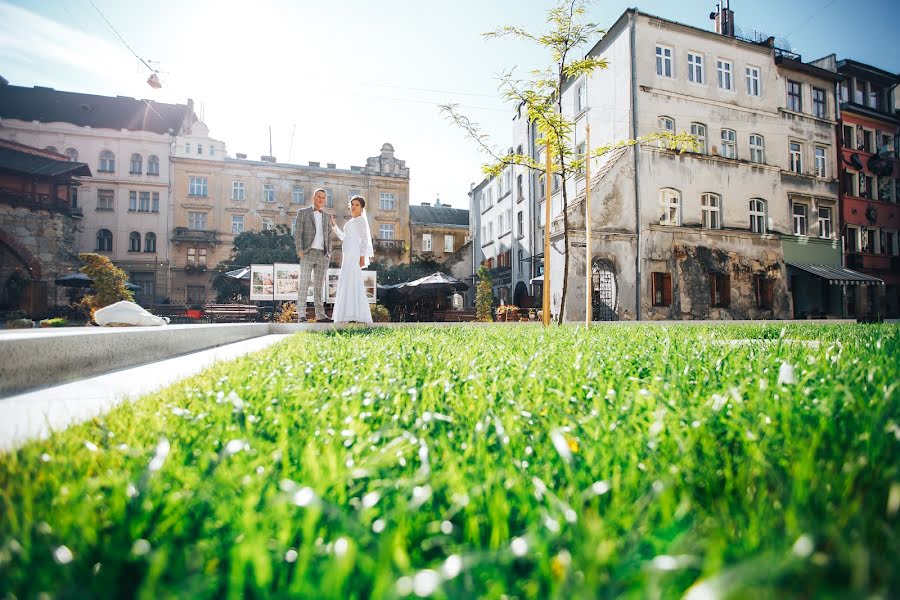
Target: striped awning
pixel 838 275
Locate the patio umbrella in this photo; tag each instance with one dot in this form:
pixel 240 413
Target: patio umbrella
pixel 242 273
pixel 130 286
pixel 74 279
pixel 437 282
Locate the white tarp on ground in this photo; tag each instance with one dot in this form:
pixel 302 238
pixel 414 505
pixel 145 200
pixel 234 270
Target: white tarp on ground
pixel 127 313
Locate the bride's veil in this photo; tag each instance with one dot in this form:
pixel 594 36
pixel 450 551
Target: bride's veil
pixel 370 249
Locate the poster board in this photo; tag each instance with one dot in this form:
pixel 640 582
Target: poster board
pixel 287 281
pixel 262 282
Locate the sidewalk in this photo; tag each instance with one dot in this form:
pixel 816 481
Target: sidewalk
pixel 34 415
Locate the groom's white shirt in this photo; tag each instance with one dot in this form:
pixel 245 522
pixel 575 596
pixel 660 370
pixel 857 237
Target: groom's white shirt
pixel 319 240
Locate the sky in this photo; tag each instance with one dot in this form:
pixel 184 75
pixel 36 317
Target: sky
pixel 335 80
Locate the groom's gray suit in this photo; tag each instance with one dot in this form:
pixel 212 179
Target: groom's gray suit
pixel 312 259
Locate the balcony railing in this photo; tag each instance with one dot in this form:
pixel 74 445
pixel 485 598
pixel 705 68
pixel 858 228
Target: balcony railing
pixel 37 201
pixel 183 234
pixel 388 245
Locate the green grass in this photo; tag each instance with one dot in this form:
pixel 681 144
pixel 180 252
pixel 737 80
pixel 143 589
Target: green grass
pixel 499 462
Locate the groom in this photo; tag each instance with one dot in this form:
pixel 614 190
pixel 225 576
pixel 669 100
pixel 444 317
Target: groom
pixel 313 242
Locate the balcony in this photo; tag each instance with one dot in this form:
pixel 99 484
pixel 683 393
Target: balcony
pixel 872 262
pixel 37 202
pixel 195 236
pixel 388 245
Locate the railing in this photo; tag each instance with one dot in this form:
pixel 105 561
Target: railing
pixel 37 201
pixel 183 234
pixel 390 245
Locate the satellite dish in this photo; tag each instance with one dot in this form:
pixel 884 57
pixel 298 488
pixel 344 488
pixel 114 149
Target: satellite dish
pixel 784 44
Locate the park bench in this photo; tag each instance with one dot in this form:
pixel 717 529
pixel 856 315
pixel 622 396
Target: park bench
pixel 454 316
pixel 232 313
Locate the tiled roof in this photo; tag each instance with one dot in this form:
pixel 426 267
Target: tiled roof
pixel 438 215
pixel 21 162
pixel 47 105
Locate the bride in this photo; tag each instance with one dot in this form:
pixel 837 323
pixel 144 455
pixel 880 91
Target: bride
pixel 351 304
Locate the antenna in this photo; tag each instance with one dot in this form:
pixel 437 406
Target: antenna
pixel 270 140
pixel 291 150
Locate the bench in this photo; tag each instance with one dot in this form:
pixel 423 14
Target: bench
pixel 232 313
pixel 454 316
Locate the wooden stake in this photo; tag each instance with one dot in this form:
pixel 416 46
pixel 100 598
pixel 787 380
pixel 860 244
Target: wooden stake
pixel 547 201
pixel 589 283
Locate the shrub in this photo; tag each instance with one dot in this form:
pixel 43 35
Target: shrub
pixel 484 295
pixel 287 314
pixel 109 283
pixel 380 314
pixel 54 322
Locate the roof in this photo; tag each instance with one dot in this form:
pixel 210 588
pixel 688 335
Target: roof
pixel 809 69
pixel 47 105
pixel 837 275
pixel 438 215
pixel 18 159
pixel 868 71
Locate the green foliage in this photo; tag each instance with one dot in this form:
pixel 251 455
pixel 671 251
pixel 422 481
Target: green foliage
pixel 14 287
pixel 109 283
pixel 253 247
pixel 287 314
pixel 54 322
pixel 484 295
pixel 380 314
pixel 616 462
pixel 416 269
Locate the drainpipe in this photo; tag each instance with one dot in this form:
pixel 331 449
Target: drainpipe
pixel 635 150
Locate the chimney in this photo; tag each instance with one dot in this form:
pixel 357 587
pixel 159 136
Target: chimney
pixel 313 164
pixel 437 201
pixel 724 18
pixel 270 159
pixel 331 165
pixel 241 156
pixel 426 204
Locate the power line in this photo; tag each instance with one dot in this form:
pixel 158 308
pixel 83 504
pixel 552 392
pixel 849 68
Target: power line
pixel 811 17
pixel 119 35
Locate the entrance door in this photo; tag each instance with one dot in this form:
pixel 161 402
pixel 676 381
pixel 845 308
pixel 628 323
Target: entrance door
pixel 605 291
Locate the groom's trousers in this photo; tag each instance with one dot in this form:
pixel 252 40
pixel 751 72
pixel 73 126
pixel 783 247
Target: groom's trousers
pixel 313 264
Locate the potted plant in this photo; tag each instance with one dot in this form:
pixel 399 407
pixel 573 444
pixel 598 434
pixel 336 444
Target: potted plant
pixel 501 313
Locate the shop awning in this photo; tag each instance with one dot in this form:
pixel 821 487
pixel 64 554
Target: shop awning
pixel 838 275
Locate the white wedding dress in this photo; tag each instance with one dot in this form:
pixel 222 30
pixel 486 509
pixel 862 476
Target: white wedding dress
pixel 351 303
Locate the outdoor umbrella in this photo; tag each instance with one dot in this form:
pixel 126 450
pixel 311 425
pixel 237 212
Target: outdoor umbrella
pixel 437 282
pixel 242 273
pixel 131 287
pixel 75 279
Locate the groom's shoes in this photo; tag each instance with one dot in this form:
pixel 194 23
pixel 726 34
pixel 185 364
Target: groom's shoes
pixel 325 320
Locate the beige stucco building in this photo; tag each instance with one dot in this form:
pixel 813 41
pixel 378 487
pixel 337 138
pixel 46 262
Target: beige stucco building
pixel 216 197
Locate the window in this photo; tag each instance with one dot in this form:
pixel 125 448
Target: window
pixel 866 187
pixel 297 194
pixel 198 186
pixel 386 231
pixel 195 294
pixel 580 98
pixel 765 291
pixel 757 215
pixel 698 130
pixel 200 149
pixel 719 290
pixel 887 242
pixel 237 190
pixel 844 92
pixel 196 256
pixel 150 242
pixel 796 152
pixel 801 218
pixel 268 223
pixel 212 150
pixel 145 202
pixel 670 202
pixel 818 98
pixel 132 201
pixel 104 240
pixel 848 140
pixel 724 72
pixel 661 289
pixel 695 68
pixel 105 199
pixel 507 182
pixel 666 124
pixel 197 221
pixel 187 148
pixel 794 99
pixel 875 94
pixel 826 226
pixel 490 230
pixel 426 242
pixel 885 193
pixel 107 162
pixel 859 92
pixel 821 165
pixel 852 239
pixel 867 144
pixel 134 242
pixel 868 240
pixel 752 81
pixel 386 201
pixel 579 155
pixel 448 243
pixel 329 198
pixel 520 224
pixel 663 61
pixel 729 144
pixel 757 149
pixel 237 224
pixel 850 183
pixel 72 153
pixel 269 192
pixel 155 204
pixel 520 195
pixel 152 165
pixel 137 164
pixel 710 206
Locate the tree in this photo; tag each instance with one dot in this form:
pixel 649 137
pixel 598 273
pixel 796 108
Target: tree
pixel 541 95
pixel 253 247
pixel 484 295
pixel 108 283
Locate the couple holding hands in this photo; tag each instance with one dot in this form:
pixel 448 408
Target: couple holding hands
pixel 312 236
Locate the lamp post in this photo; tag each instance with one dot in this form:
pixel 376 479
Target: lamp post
pixel 588 307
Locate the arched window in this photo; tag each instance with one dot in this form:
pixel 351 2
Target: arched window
pixel 729 144
pixel 757 215
pixel 698 130
pixel 667 125
pixel 670 205
pixel 72 153
pixel 711 206
pixel 150 242
pixel 134 242
pixel 757 148
pixel 51 149
pixel 137 164
pixel 153 165
pixel 107 162
pixel 104 240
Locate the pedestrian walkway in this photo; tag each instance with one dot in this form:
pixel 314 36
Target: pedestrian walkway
pixel 35 415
